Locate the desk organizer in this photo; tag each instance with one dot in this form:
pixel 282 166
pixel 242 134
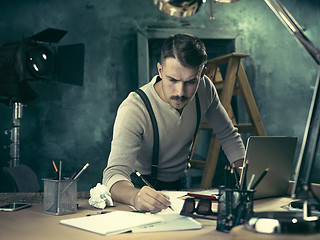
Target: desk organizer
pixel 233 207
pixel 60 196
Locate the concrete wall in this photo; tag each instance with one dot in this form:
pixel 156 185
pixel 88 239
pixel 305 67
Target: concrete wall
pixel 77 127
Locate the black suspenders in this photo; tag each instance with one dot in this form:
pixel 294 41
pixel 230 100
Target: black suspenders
pixel 155 153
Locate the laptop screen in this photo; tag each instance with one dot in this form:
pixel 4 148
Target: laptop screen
pixel 275 153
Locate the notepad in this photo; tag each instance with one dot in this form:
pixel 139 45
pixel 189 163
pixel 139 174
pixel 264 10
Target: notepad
pixel 176 201
pixel 113 222
pixel 172 222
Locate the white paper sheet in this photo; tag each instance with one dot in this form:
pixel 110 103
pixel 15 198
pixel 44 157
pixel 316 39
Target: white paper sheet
pixel 113 222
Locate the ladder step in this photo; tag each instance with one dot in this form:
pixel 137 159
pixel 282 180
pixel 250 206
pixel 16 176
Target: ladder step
pixel 242 127
pixel 198 164
pixel 246 127
pixel 225 58
pixel 219 87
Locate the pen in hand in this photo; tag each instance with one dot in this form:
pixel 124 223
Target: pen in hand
pixel 146 182
pixel 143 179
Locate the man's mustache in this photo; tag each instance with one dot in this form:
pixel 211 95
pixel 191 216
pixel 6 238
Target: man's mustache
pixel 179 98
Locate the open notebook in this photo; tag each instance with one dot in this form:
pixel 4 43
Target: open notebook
pixel 112 223
pixel 123 221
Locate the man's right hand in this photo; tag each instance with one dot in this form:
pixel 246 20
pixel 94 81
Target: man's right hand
pixel 148 199
pixel 144 199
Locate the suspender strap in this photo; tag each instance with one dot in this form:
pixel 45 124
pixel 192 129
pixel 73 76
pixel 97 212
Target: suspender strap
pixel 196 130
pixel 155 154
pixel 198 115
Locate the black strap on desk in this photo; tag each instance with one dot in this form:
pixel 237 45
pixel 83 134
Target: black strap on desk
pixel 155 153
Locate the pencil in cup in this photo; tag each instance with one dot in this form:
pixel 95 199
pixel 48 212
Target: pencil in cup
pixel 235 175
pixel 260 178
pixel 243 176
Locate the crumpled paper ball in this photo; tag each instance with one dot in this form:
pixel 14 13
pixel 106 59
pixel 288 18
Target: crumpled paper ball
pixel 100 197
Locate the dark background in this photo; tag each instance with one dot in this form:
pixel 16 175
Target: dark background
pixel 76 127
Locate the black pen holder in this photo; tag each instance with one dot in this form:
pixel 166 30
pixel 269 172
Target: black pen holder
pixel 60 196
pixel 233 207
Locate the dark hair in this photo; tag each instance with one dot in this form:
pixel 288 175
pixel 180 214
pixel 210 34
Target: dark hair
pixel 188 49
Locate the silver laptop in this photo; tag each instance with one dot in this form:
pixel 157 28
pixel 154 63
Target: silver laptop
pixel 275 153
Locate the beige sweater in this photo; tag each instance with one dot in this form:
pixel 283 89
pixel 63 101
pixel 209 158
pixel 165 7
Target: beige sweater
pixel 132 144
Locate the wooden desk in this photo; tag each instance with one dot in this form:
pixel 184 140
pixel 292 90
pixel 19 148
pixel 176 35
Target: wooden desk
pixel 32 223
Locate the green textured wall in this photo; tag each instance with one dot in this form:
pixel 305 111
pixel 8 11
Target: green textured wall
pixel 77 127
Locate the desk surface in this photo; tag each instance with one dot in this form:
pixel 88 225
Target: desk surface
pixel 33 223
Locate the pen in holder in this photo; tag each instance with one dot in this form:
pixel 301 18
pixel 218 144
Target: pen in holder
pixel 60 196
pixel 233 207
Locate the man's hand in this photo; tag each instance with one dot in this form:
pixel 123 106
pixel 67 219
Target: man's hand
pixel 148 199
pixel 144 199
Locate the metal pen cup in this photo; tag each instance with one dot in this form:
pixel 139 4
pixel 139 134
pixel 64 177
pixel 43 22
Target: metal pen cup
pixel 233 207
pixel 60 196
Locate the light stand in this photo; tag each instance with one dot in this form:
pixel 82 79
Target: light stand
pixel 294 222
pixel 310 141
pixel 26 65
pixel 17 112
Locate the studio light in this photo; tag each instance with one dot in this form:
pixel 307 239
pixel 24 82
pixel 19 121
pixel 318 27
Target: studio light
pixel 38 58
pixel 26 64
pixel 40 62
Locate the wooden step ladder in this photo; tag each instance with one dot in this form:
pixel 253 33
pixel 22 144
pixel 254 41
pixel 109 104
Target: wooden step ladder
pixel 226 89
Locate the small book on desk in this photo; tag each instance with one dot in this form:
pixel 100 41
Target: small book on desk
pixel 210 193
